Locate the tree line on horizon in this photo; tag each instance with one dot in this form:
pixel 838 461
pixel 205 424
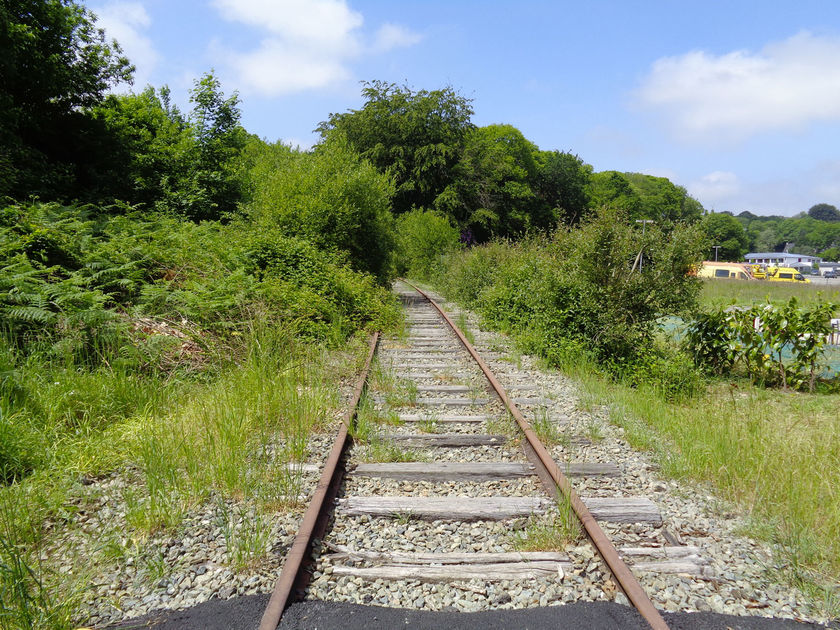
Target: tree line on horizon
pixel 65 138
pixel 815 232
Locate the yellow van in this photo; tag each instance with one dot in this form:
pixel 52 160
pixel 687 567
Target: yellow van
pixel 723 270
pixel 785 274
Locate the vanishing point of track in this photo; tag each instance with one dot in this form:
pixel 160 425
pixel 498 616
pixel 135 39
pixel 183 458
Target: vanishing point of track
pixel 434 342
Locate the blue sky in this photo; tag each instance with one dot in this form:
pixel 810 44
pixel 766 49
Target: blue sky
pixel 737 101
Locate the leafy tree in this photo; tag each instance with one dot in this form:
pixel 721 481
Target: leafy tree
pixel 662 200
pixel 831 254
pixel 824 212
pixel 726 231
pixel 150 153
pixel 492 194
pixel 331 197
pixel 563 184
pixel 766 240
pixel 210 188
pixel 150 145
pixel 54 65
pixel 417 137
pixel 423 238
pixel 612 189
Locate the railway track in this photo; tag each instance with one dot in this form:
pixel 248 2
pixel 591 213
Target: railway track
pixel 445 484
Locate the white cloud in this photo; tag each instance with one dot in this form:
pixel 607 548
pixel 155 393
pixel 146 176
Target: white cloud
pixel 328 25
pixel 715 189
pixel 277 68
pixel 306 44
pixel 730 97
pixel 125 22
pixel 391 36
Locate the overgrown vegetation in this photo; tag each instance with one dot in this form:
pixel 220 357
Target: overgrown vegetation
pixel 179 298
pixel 594 291
pixel 552 532
pixel 591 301
pixel 191 354
pixel 774 454
pixel 184 331
pixel 779 345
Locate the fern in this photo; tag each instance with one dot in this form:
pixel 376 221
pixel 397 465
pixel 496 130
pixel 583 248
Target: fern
pixel 30 314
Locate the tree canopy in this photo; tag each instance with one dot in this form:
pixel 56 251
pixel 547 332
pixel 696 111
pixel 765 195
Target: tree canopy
pixel 724 231
pixel 417 137
pixel 644 197
pixel 54 65
pixel 803 234
pixel 824 212
pixel 492 193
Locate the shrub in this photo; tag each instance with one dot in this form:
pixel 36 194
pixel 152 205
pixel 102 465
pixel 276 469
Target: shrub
pixel 759 339
pixel 329 197
pixel 592 292
pixel 423 238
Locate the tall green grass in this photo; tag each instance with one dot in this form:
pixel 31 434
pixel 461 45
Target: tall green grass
pixel 774 454
pixel 227 441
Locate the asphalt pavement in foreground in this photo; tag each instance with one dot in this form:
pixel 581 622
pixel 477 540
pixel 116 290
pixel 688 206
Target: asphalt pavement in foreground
pixel 244 613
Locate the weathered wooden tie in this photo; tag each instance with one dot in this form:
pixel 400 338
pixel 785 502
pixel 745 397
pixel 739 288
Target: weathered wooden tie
pixel 449 389
pixel 474 471
pixel 447 440
pixel 416 417
pixel 443 567
pixel 672 559
pixel 612 509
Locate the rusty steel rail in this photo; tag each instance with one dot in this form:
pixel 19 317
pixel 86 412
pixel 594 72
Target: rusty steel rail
pixel 293 577
pixel 548 469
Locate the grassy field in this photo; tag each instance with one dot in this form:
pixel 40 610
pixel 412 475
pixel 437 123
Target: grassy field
pixel 742 292
pixel 775 454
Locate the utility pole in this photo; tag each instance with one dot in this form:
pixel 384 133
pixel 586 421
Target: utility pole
pixel 644 222
pixel 716 248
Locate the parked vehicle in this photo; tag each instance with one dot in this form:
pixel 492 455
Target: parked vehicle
pixel 724 270
pixel 831 274
pixel 785 274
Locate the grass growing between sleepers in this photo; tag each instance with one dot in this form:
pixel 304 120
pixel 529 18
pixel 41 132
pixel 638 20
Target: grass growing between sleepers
pixel 553 531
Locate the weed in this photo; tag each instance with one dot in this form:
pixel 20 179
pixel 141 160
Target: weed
pixel 594 431
pixel 502 425
pixel 551 532
pixel 404 395
pixel 154 565
pixel 402 518
pixel 381 450
pixel 246 535
pixel 428 425
pixel 463 324
pixel 31 594
pixel 545 428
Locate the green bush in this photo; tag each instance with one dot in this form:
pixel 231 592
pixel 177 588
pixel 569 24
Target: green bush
pixel 424 237
pixel 113 312
pixel 329 197
pixel 776 345
pixel 588 293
